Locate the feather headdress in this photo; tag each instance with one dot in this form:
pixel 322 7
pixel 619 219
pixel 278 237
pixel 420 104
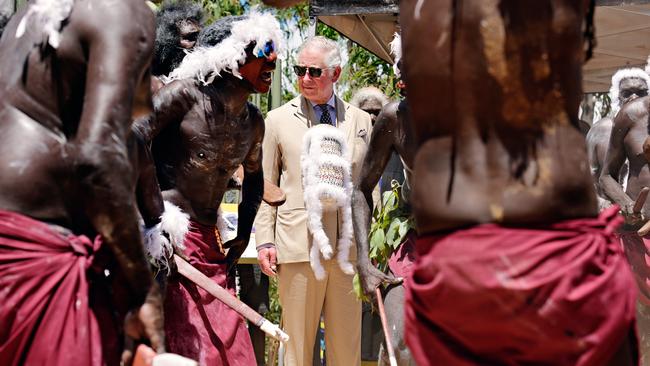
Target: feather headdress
pixel 621 75
pixel 49 14
pixel 396 50
pixel 205 63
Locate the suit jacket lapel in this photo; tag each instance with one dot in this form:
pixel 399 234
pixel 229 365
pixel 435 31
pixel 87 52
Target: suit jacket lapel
pixel 303 110
pixel 344 119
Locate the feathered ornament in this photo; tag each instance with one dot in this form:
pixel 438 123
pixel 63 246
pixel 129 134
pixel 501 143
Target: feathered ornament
pixel 49 15
pixel 160 240
pixel 327 186
pixel 396 51
pixel 621 75
pixel 206 63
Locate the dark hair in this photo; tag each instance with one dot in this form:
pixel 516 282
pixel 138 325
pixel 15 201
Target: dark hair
pixel 589 33
pixel 167 54
pixel 4 19
pixel 216 32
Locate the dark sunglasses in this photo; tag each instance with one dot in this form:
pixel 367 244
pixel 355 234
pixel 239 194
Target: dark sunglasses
pixel 638 93
pixel 314 72
pixel 267 50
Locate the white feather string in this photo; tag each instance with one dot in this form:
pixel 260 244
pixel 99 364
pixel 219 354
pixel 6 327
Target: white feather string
pixel 206 63
pixel 396 50
pixel 320 196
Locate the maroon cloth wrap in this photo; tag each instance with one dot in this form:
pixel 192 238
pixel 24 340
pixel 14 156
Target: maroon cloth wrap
pixel 401 261
pixel 53 309
pixel 637 251
pixel 197 325
pixel 558 294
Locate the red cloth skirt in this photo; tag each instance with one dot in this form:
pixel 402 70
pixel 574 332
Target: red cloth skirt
pixel 401 261
pixel 558 294
pixel 197 325
pixel 54 308
pixel 637 251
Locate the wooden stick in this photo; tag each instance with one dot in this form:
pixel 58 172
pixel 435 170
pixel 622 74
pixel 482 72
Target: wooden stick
pixel 384 324
pixel 221 294
pixel 638 207
pixel 640 200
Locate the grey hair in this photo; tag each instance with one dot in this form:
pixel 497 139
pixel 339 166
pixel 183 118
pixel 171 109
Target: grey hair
pixel 330 48
pixel 365 95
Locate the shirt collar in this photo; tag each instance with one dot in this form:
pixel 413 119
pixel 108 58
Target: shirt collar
pixel 331 102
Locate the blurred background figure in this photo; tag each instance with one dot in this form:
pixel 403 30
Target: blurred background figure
pixel 371 100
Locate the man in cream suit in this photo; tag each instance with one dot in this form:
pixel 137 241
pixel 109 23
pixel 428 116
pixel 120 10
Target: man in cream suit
pixel 283 240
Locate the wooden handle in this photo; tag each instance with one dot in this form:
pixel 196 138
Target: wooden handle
pixel 640 200
pixel 644 230
pixel 273 195
pixel 384 324
pixel 188 271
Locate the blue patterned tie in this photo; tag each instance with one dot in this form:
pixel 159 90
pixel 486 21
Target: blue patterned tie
pixel 325 114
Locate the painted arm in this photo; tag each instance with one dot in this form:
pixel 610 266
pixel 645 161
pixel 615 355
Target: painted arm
pixel 116 74
pixel 252 191
pixel 381 145
pixel 170 105
pixel 148 195
pixel 614 159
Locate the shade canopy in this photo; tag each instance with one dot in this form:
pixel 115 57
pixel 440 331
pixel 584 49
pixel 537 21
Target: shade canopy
pixel 622 31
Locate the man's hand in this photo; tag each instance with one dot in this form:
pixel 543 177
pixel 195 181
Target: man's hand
pixel 632 211
pixel 371 278
pixel 268 262
pixel 236 248
pixel 146 324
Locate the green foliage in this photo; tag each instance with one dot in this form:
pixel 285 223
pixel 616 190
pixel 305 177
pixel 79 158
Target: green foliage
pixel 391 223
pixel 366 69
pixel 217 9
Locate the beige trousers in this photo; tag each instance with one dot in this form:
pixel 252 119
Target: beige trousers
pixel 303 298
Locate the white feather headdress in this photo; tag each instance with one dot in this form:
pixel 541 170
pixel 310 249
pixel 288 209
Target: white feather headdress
pixel 396 50
pixel 621 75
pixel 206 63
pixel 49 14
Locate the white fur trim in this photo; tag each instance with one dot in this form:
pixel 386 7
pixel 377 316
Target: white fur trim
pixel 222 226
pixel 621 75
pixel 175 223
pixel 157 247
pixel 321 196
pixel 396 50
pixel 48 14
pixel 206 63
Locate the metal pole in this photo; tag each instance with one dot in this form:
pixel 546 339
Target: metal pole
pixel 275 96
pixel 311 31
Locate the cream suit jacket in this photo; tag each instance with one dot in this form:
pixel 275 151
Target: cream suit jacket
pixel 286 226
